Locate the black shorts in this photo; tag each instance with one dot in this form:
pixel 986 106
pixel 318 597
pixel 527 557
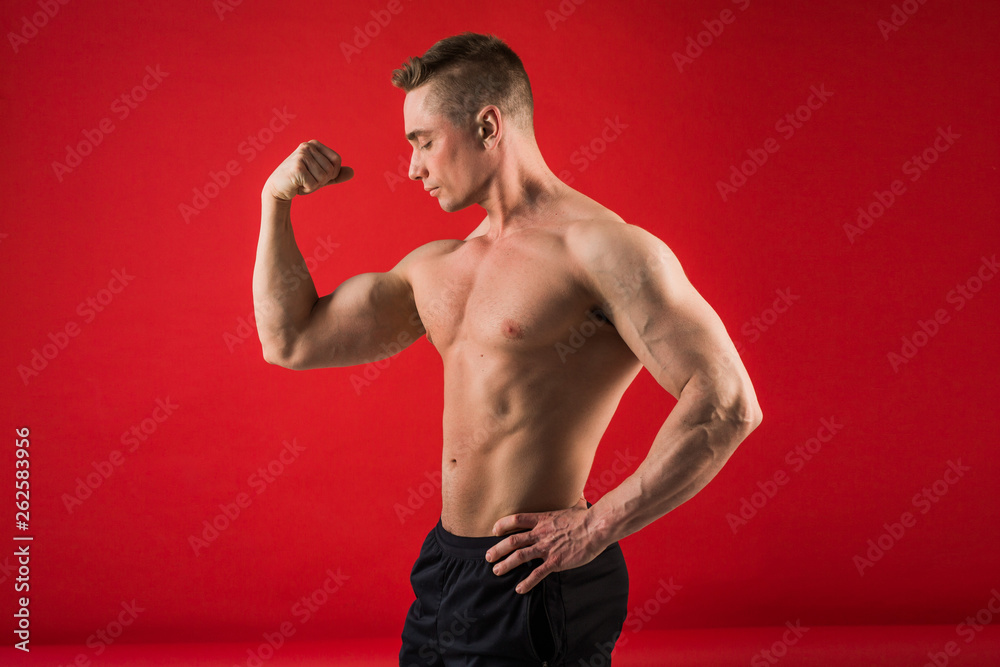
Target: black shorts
pixel 466 615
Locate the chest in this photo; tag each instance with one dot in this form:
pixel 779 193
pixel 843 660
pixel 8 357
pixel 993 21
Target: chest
pixel 516 295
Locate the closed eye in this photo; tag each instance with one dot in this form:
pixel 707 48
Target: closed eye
pixel 426 146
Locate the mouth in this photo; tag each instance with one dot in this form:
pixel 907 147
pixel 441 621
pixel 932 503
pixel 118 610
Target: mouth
pixel 431 191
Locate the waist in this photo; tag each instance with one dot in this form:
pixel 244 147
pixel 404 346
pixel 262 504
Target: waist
pixel 461 546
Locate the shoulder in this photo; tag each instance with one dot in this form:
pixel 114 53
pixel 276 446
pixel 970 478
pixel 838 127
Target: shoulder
pixel 420 256
pixel 609 245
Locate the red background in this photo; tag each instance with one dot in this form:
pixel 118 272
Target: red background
pixel 170 332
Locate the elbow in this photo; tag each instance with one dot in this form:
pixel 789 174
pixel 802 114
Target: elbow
pixel 745 413
pixel 278 356
pixel 275 359
pixel 735 408
pixel 732 405
pixel 757 416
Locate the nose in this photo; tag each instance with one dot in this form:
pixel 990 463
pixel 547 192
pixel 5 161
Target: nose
pixel 417 170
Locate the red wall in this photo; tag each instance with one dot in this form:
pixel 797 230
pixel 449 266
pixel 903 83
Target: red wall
pixel 176 330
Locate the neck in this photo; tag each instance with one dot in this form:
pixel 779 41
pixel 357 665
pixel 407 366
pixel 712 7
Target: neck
pixel 522 191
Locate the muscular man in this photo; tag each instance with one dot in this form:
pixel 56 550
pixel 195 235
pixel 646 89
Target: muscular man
pixel 520 568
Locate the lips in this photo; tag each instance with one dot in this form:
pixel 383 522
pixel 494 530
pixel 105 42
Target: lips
pixel 431 191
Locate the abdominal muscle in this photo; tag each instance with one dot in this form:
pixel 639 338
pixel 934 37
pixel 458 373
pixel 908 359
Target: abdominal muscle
pixel 518 437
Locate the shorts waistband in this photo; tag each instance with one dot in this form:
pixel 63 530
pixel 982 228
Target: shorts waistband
pixel 465 547
pixel 469 547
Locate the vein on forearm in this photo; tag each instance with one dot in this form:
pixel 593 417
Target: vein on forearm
pixel 694 443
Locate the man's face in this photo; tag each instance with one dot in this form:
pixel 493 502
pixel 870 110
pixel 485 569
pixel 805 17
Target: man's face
pixel 447 160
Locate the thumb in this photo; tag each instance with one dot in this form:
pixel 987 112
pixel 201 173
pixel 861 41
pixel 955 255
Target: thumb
pixel 345 174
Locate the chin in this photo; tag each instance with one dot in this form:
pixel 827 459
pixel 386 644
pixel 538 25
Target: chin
pixel 451 206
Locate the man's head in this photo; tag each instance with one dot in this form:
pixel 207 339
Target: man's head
pixel 463 95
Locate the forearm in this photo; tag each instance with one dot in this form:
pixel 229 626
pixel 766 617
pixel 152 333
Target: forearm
pixel 691 447
pixel 283 291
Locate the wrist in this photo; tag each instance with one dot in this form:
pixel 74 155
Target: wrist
pixel 267 196
pixel 600 527
pixel 275 210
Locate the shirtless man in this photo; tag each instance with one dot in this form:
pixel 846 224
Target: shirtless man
pixel 520 568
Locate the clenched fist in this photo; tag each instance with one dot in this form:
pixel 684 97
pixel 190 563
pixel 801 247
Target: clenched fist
pixel 305 171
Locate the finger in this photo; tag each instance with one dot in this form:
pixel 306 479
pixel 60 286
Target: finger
pixel 326 156
pixel 328 168
pixel 504 547
pixel 514 522
pixel 305 173
pixel 319 172
pixel 532 579
pixel 332 171
pixel 516 559
pixel 328 152
pixel 345 174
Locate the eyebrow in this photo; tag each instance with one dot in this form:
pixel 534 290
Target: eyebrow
pixel 413 134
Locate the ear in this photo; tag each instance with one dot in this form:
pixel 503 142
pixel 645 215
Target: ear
pixel 489 127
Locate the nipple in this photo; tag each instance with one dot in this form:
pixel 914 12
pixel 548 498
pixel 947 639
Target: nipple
pixel 512 329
